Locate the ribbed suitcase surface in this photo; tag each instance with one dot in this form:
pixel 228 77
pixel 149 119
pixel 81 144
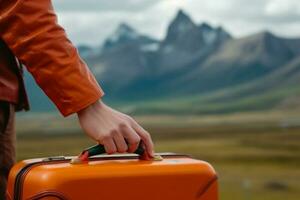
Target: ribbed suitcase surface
pixel 117 177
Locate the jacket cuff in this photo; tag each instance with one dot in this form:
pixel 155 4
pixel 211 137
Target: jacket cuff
pixel 82 104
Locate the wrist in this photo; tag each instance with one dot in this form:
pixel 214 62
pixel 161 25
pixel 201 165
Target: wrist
pixel 94 106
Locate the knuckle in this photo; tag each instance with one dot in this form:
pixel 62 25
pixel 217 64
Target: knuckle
pixel 113 133
pixel 99 139
pixel 130 119
pixel 105 137
pixel 146 135
pixel 127 117
pixel 122 126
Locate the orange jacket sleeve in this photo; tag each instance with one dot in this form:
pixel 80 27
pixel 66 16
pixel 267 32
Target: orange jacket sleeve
pixel 30 29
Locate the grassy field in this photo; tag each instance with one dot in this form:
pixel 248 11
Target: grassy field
pixel 257 156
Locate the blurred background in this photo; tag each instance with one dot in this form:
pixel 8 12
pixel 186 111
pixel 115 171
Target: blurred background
pixel 215 79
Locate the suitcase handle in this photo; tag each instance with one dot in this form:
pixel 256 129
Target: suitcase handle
pixel 99 149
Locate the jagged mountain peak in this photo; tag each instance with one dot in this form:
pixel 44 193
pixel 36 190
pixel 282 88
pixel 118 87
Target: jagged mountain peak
pixel 124 34
pixel 184 33
pixel 183 17
pixel 182 21
pixel 205 25
pixel 123 31
pixel 211 34
pixel 125 28
pixel 180 24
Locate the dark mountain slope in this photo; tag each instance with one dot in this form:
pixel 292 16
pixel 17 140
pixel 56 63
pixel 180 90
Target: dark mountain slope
pixel 238 61
pixel 277 90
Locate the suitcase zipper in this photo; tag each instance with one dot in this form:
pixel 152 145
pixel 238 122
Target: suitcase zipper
pixel 18 184
pixel 61 159
pixel 22 173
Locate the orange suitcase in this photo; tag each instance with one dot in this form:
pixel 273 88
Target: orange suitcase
pixel 113 177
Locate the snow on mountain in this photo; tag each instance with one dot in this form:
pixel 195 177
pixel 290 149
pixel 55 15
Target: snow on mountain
pixel 123 32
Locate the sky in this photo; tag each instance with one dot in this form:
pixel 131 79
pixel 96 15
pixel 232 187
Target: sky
pixel 91 21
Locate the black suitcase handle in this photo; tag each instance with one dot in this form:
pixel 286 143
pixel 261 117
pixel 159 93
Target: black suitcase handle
pixel 99 149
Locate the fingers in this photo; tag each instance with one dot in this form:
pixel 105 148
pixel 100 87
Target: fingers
pixel 109 145
pixel 115 141
pixel 110 128
pixel 132 138
pixel 120 142
pixel 145 136
pixel 130 132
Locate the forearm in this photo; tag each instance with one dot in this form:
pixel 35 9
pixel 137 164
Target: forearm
pixel 31 31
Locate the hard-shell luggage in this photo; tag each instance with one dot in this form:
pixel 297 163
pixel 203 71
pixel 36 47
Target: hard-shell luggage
pixel 113 177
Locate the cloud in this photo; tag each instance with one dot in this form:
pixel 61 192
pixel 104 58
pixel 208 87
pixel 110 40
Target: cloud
pixel 91 21
pixel 282 8
pixel 103 5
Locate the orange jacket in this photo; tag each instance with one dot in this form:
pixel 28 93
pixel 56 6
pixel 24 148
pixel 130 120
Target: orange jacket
pixel 30 30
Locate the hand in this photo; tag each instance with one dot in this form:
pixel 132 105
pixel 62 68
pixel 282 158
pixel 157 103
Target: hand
pixel 110 128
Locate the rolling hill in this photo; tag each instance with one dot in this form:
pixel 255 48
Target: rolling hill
pixel 277 90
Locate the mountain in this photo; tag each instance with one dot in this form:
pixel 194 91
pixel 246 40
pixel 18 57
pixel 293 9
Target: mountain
pixel 123 58
pixel 195 68
pixel 125 35
pixel 187 36
pixel 145 67
pixel 238 61
pixel 187 42
pixel 277 90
